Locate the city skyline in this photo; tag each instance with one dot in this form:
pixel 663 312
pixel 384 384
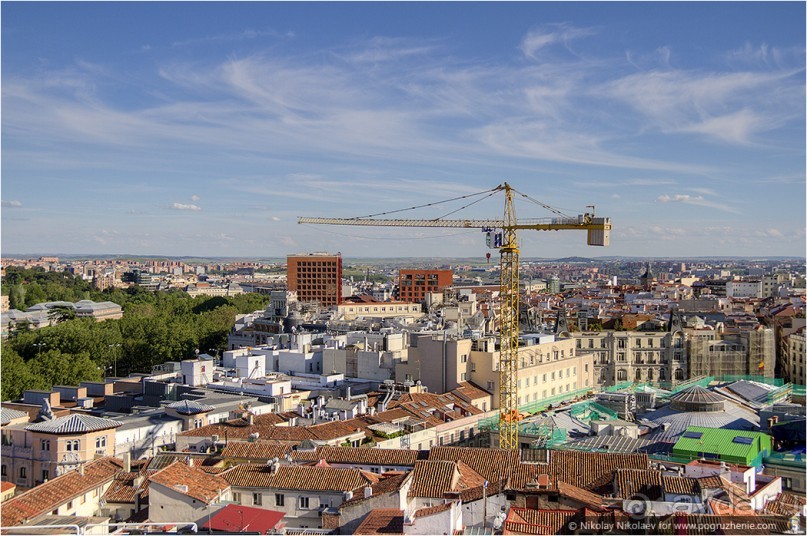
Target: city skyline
pixel 201 129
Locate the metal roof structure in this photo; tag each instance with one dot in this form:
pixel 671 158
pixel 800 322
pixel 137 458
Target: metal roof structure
pixel 734 445
pixel 751 391
pixel 73 424
pixel 190 407
pixel 697 398
pixel 674 422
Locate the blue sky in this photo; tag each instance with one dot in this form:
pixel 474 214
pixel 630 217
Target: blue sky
pixel 207 128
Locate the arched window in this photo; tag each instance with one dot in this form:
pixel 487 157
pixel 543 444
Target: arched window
pixel 679 374
pixel 622 375
pixel 638 374
pixel 650 374
pixel 661 374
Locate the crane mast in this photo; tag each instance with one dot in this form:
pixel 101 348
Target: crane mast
pixel 508 350
pixel 598 229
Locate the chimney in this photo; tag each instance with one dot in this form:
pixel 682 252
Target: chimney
pixel 250 418
pixel 368 491
pixel 127 462
pixel 81 469
pixel 348 392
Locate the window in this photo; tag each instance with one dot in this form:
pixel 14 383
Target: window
pixel 464 358
pixel 464 376
pixel 197 423
pixel 44 444
pixel 743 440
pixel 3 470
pixel 100 442
pixel 69 505
pixel 45 475
pixel 237 497
pixel 257 499
pixel 693 435
pixel 72 445
pixel 279 499
pixel 490 386
pixel 23 472
pixel 473 367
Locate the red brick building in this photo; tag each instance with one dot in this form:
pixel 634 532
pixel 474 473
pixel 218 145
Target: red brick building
pixel 414 284
pixel 316 277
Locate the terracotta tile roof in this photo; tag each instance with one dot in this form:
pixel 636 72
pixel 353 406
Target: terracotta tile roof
pixel 257 450
pixel 431 510
pixel 363 456
pixel 46 497
pixel 306 478
pixel 433 478
pixel 6 486
pixel 592 471
pixel 267 429
pixel 723 508
pixel 524 474
pixel 681 485
pixel 389 483
pixel 382 521
pixel 580 495
pixel 646 483
pixel 124 490
pixel 709 482
pixel 470 484
pixel 493 464
pixel 237 428
pixel 435 401
pixel 200 485
pixel 786 504
pixel 531 521
pixel 469 391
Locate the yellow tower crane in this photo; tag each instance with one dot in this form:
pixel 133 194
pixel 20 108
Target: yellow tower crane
pixel 599 232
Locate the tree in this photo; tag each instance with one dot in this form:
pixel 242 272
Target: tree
pixel 15 375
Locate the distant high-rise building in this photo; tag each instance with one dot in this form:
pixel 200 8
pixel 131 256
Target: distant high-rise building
pixel 316 277
pixel 413 285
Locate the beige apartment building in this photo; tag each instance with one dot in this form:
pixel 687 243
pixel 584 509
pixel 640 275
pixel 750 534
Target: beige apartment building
pixel 35 453
pixel 640 356
pixel 795 358
pixel 547 366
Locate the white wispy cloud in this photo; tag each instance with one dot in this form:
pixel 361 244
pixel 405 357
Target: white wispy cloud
pixel 11 204
pixel 183 206
pixel 698 200
pixel 550 34
pixel 715 104
pixel 195 197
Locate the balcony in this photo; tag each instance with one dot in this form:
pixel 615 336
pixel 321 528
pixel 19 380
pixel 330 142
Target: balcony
pixel 12 451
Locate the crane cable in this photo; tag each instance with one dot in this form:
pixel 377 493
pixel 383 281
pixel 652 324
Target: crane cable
pixel 430 204
pixel 466 206
pixel 544 205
